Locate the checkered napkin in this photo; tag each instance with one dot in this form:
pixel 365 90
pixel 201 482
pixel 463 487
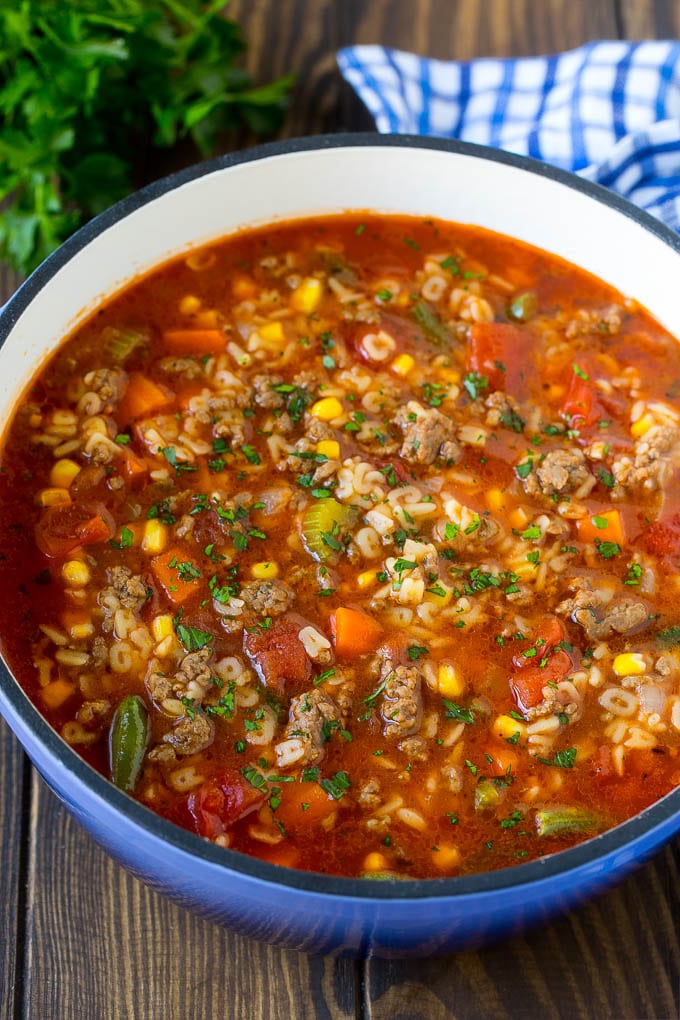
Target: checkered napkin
pixel 609 110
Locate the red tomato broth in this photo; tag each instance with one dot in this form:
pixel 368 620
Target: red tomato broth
pixel 411 781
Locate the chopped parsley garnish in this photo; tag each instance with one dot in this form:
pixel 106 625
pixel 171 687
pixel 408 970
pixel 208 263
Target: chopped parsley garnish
pixel 417 651
pixel 474 383
pixel 254 777
pixel 170 455
pixel 634 574
pixel 454 711
pixel 337 785
pixel 251 454
pixel 607 550
pixel 562 759
pixel 192 638
pixel 512 420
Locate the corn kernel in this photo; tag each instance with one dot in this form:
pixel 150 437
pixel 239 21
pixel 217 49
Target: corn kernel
pixel 402 364
pixel 189 304
pixel 53 497
pixel 56 693
pixel 155 537
pixel 642 425
pixel 366 579
pixel 81 631
pixel 76 573
pixel 506 727
pixel 375 862
pixel 243 287
pixel 518 518
pixel 447 858
pixel 556 391
pixel 450 683
pixel 326 409
pixel 329 448
pixel 496 500
pixel 271 331
pixel 208 319
pixel 161 627
pixel 63 472
pixel 264 571
pixel 629 664
pixel 307 297
pixel 449 375
pixel 525 571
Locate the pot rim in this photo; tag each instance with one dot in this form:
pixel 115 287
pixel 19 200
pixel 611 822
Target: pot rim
pixel 589 854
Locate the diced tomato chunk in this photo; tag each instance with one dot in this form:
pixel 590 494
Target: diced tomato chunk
pixel 527 684
pixel 61 529
pixel 581 407
pixel 277 654
pixel 548 664
pixel 498 351
pixel 662 538
pixel 221 801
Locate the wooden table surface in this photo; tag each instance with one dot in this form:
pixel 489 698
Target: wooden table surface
pixel 81 938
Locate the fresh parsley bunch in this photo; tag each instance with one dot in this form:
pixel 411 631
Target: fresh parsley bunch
pixel 87 87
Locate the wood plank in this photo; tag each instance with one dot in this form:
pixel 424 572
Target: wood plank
pixel 616 957
pixel 100 944
pixel 13 768
pixel 463 29
pixel 650 19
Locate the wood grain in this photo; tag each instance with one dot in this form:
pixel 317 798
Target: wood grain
pixel 617 957
pixel 650 19
pixel 463 29
pixel 14 843
pixel 102 946
pixel 80 938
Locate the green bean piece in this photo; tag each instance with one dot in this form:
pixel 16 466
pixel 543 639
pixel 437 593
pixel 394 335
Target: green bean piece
pixel 524 306
pixel 487 796
pixel 127 742
pixel 565 818
pixel 431 325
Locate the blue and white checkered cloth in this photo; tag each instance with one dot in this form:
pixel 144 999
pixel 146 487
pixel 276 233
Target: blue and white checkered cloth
pixel 609 111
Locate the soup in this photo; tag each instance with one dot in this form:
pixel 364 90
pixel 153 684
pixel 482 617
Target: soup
pixel 351 544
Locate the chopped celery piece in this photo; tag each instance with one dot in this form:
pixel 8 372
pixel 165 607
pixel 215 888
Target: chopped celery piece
pixel 523 307
pixel 323 527
pixel 127 742
pixel 487 796
pixel 120 343
pixel 553 821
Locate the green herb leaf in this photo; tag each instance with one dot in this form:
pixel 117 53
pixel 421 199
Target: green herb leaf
pixel 84 89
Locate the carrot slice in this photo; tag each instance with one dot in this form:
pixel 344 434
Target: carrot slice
pixel 194 341
pixel 134 469
pixel 354 632
pixel 56 693
pixel 606 527
pixel 143 397
pixel 303 804
pixel 172 570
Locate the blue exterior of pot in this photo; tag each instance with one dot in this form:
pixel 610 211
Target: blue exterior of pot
pixel 313 912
